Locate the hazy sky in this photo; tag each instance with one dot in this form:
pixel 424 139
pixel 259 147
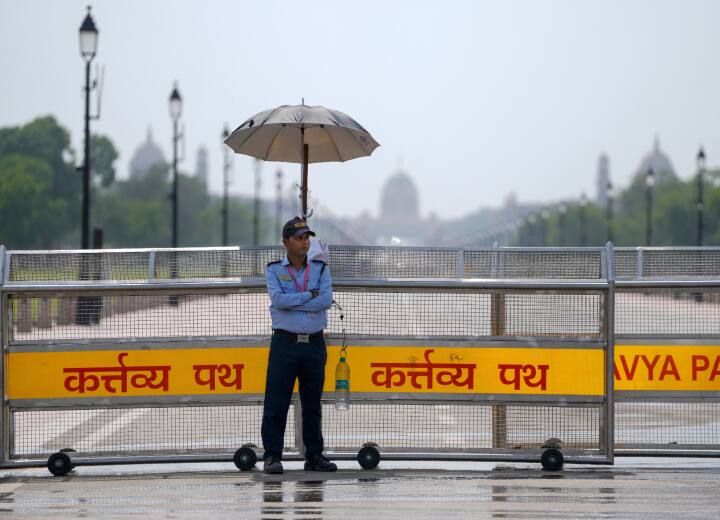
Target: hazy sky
pixel 475 99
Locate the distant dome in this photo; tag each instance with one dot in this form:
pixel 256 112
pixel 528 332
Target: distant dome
pixel 659 162
pixel 146 156
pixel 399 200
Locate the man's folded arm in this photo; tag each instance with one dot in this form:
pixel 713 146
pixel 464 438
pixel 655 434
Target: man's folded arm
pixel 323 300
pixel 280 299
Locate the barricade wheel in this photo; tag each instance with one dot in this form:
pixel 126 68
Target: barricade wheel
pixel 245 459
pixel 368 457
pixel 552 460
pixel 59 464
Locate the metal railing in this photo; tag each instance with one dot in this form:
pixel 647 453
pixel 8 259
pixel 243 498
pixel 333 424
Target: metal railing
pixel 432 306
pixel 451 367
pixel 668 354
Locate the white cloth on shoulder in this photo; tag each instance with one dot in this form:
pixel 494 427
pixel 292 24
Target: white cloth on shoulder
pixel 318 250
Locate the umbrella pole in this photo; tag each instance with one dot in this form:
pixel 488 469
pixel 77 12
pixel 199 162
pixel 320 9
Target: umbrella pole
pixel 304 182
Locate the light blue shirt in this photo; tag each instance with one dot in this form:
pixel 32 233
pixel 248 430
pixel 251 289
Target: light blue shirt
pixel 294 310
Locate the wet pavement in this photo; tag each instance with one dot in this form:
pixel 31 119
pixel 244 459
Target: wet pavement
pixel 633 488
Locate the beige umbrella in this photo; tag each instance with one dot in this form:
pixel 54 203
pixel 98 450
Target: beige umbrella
pixel 302 134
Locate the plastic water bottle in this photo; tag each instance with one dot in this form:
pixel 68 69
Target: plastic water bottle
pixel 342 385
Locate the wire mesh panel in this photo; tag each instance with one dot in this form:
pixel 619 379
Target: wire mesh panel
pixel 675 425
pixel 142 316
pixel 74 266
pixel 666 363
pixel 686 263
pixel 470 313
pixel 116 431
pixel 345 262
pixel 215 263
pixel 394 262
pixel 459 426
pixel 674 312
pixel 529 263
pixel 367 312
pixel 201 322
pixel 625 263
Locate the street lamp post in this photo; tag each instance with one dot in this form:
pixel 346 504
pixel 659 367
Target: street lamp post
pixel 649 183
pixel 226 171
pixel 544 216
pixel 562 210
pixel 278 198
pixel 88 49
pixel 700 201
pixel 175 113
pixel 583 223
pixel 531 229
pixel 175 102
pixel 256 203
pixel 609 211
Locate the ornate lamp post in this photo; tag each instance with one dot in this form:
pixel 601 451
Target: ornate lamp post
pixel 88 49
pixel 609 211
pixel 175 102
pixel 583 222
pixel 700 201
pixel 226 171
pixel 544 216
pixel 562 211
pixel 278 198
pixel 649 183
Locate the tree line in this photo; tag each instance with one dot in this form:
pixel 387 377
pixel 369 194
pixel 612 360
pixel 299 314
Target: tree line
pixel 674 217
pixel 41 197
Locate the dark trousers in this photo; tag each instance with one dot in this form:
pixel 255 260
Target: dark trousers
pixel 290 360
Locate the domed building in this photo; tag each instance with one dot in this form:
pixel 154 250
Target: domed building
pixel 399 221
pixel 399 207
pixel 145 157
pixel 659 162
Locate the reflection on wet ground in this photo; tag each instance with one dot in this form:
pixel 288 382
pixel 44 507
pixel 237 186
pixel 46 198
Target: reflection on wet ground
pixel 664 489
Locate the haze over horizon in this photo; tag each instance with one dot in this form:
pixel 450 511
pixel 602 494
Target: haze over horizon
pixel 475 99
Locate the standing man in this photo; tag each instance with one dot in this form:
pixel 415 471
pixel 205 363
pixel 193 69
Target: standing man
pixel 300 293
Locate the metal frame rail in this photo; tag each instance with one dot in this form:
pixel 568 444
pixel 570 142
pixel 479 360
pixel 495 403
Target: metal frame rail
pixel 504 299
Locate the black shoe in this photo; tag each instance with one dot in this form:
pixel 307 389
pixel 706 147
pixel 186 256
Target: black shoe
pixel 272 466
pixel 319 463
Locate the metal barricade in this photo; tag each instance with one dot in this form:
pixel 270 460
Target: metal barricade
pixel 485 366
pixel 667 357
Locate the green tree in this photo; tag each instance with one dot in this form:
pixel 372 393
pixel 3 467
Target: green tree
pixel 674 216
pixel 26 201
pixel 102 159
pixel 48 209
pixel 135 212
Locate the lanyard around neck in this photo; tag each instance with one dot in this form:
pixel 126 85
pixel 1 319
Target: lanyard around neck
pixel 300 288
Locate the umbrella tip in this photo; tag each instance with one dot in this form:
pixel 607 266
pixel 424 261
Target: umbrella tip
pixel 302 101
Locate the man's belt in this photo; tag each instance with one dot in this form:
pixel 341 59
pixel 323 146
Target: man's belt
pixel 298 338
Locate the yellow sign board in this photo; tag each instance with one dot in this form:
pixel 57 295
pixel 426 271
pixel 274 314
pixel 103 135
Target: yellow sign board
pixel 374 369
pixel 206 371
pixel 667 368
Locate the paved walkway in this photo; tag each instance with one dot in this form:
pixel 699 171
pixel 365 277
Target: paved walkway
pixel 633 488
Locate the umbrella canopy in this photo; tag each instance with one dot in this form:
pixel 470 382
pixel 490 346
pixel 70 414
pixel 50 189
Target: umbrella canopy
pixel 279 135
pixel 302 134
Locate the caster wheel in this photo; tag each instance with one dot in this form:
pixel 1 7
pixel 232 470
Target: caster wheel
pixel 368 457
pixel 552 460
pixel 245 459
pixel 59 464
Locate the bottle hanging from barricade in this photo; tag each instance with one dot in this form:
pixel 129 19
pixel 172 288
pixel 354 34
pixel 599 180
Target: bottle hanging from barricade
pixel 342 384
